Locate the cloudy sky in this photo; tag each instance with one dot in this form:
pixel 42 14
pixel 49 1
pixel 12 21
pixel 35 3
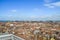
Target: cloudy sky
pixel 29 9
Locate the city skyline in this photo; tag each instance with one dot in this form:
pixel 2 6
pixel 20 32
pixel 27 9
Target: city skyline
pixel 29 9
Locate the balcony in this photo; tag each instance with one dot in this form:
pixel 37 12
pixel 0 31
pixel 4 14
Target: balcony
pixel 10 37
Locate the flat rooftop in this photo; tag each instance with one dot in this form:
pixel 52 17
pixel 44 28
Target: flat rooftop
pixel 10 37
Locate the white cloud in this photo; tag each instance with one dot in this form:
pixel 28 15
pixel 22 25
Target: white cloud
pixel 49 5
pixel 36 9
pixel 39 16
pixel 33 16
pixel 43 16
pixel 13 10
pixel 47 1
pixel 52 5
pixel 56 4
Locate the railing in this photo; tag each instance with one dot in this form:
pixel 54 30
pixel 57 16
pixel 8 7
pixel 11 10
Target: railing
pixel 10 37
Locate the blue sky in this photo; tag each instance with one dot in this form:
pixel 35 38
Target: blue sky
pixel 29 9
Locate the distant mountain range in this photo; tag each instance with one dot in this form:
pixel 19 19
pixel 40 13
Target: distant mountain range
pixel 27 20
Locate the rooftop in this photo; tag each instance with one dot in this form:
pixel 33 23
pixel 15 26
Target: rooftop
pixel 10 37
